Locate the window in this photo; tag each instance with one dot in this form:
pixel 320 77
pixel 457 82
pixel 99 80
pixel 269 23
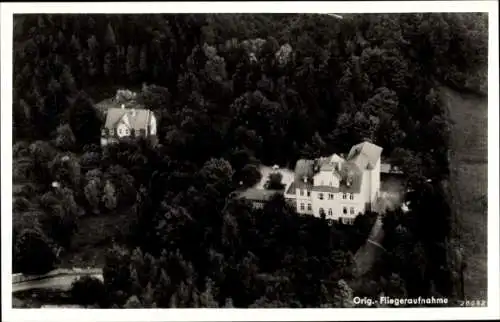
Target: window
pixel 111 131
pixel 104 132
pixel 127 132
pixel 321 196
pixel 330 212
pixel 352 210
pixel 321 212
pixel 301 192
pixel 309 207
pixel 351 196
pixel 308 193
pixel 344 210
pixel 302 206
pixel 344 196
pixel 330 196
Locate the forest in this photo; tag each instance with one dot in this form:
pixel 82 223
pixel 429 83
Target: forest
pixel 233 91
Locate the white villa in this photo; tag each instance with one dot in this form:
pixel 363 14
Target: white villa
pixel 335 187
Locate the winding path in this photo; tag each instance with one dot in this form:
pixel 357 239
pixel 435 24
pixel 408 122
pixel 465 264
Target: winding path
pixel 370 251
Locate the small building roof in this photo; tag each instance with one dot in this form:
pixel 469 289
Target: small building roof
pixel 117 102
pixel 389 169
pixel 300 184
pixel 258 194
pixel 124 103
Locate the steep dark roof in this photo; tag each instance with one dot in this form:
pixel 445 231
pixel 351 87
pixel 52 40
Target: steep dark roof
pixel 389 169
pixel 138 118
pixel 365 155
pixel 361 156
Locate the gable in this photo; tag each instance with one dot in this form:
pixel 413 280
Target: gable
pixel 123 120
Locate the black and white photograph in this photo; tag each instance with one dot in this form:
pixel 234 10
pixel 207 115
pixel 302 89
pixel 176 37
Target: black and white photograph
pixel 249 160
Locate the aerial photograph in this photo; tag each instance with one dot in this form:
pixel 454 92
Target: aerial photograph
pixel 249 160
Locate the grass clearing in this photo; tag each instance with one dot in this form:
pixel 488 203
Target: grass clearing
pixel 468 184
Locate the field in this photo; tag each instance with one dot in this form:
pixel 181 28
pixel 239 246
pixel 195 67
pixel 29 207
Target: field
pixel 468 184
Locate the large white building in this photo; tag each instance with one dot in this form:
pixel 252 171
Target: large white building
pixel 338 188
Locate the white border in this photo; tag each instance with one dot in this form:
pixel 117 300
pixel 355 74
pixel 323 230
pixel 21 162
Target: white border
pixel 491 312
pixel 252 6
